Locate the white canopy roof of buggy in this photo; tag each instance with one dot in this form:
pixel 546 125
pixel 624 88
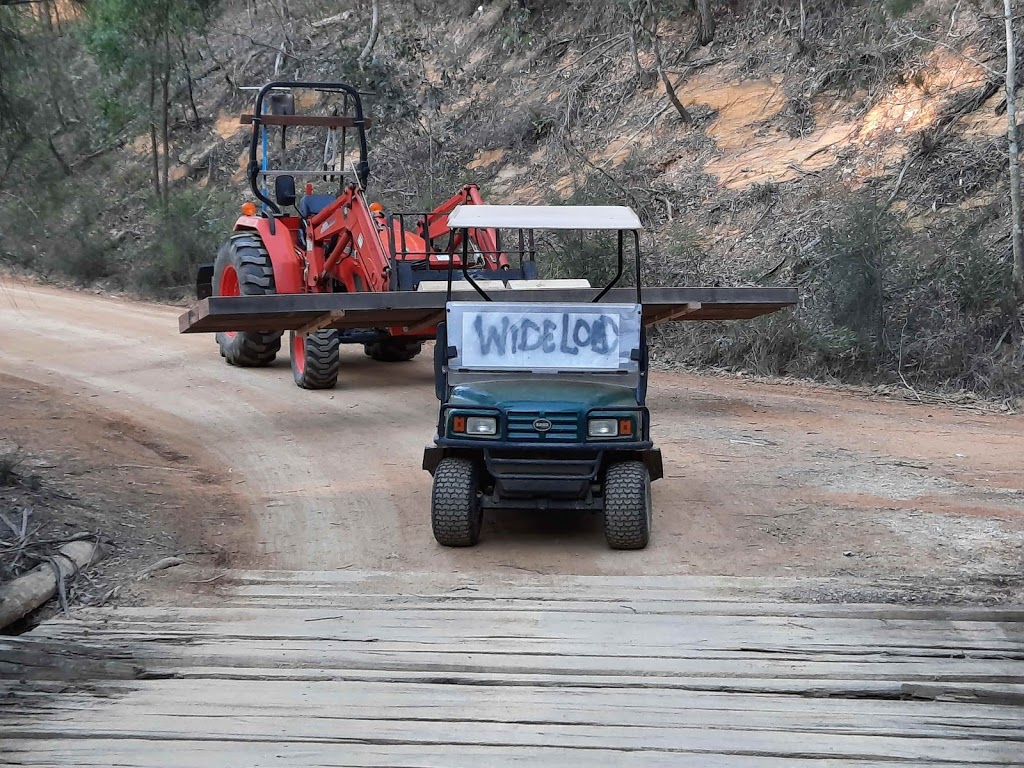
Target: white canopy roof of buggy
pixel 544 217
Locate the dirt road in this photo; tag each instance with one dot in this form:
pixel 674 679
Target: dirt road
pixel 760 479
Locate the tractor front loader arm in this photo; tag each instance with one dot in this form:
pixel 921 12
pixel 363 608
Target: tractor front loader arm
pixel 357 258
pixel 435 225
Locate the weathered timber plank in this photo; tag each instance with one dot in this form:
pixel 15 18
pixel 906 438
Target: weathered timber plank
pixel 695 665
pixel 459 626
pixel 738 740
pixel 391 308
pixel 889 593
pixel 277 692
pixel 267 596
pixel 441 703
pixel 192 753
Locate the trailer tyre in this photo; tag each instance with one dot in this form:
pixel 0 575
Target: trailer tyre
pixel 627 505
pixel 456 512
pixel 243 268
pixel 393 350
pixel 316 358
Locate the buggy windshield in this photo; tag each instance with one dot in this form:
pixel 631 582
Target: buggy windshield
pixel 543 338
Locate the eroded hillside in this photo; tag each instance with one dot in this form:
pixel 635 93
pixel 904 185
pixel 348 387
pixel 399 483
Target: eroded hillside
pixel 855 149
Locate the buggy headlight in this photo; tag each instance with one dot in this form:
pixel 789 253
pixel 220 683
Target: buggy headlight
pixel 481 425
pixel 603 428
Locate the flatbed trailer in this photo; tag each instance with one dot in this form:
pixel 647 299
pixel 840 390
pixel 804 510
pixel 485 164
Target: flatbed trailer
pixel 413 310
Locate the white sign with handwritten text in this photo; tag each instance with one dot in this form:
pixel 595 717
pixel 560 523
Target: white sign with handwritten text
pixel 588 339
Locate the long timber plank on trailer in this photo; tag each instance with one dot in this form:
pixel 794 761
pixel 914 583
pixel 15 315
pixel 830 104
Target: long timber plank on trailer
pixel 414 309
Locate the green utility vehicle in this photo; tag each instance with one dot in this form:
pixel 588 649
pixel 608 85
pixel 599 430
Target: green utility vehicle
pixel 543 404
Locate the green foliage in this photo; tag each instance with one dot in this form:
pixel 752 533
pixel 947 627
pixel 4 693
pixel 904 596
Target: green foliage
pixel 10 53
pixel 979 280
pixel 588 255
pixel 123 34
pixel 187 233
pixel 900 7
pixel 15 109
pixel 861 248
pixel 11 460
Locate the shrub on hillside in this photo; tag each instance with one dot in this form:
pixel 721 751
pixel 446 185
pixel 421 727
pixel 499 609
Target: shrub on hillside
pixel 879 301
pixel 187 233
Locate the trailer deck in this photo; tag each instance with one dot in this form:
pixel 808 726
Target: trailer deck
pixel 417 310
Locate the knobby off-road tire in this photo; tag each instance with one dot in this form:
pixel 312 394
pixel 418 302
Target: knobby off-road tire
pixel 316 358
pixel 393 350
pixel 243 268
pixel 627 505
pixel 456 512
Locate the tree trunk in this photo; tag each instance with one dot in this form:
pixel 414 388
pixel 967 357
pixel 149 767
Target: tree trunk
pixel 190 84
pixel 154 143
pixel 374 32
pixel 706 23
pixel 1014 156
pixel 22 595
pixel 635 14
pixel 670 89
pixel 166 110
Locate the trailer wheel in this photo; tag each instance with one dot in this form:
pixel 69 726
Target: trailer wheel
pixel 243 268
pixel 316 358
pixel 393 350
pixel 627 505
pixel 456 513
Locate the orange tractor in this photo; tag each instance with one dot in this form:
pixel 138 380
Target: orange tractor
pixel 336 242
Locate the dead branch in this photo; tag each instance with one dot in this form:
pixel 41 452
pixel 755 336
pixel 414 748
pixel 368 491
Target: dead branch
pixel 160 565
pixel 374 32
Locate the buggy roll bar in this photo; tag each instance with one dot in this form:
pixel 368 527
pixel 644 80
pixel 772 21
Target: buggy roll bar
pixel 360 123
pixel 604 291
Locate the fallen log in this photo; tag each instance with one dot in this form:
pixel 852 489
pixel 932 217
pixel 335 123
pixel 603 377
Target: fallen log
pixel 20 596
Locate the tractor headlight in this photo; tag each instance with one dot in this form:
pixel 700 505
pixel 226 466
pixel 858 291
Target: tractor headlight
pixel 603 428
pixel 481 425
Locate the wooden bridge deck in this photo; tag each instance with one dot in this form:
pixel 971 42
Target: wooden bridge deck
pixel 351 669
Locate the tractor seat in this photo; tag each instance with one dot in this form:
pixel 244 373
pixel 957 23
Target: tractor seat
pixel 310 205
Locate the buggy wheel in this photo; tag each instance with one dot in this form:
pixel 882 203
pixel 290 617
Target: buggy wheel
pixel 243 268
pixel 316 358
pixel 393 350
pixel 456 513
pixel 627 505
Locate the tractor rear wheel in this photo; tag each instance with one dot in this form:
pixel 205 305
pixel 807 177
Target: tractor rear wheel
pixel 393 350
pixel 627 505
pixel 243 268
pixel 456 512
pixel 316 358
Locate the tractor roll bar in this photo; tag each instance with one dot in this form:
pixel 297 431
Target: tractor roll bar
pixel 360 123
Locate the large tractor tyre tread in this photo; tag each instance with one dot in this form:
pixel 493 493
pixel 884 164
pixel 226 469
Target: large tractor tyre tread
pixel 321 351
pixel 627 505
pixel 456 513
pixel 251 262
pixel 393 351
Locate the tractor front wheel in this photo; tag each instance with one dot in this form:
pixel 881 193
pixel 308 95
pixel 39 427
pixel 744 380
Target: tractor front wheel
pixel 316 358
pixel 393 350
pixel 627 505
pixel 456 512
pixel 243 268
